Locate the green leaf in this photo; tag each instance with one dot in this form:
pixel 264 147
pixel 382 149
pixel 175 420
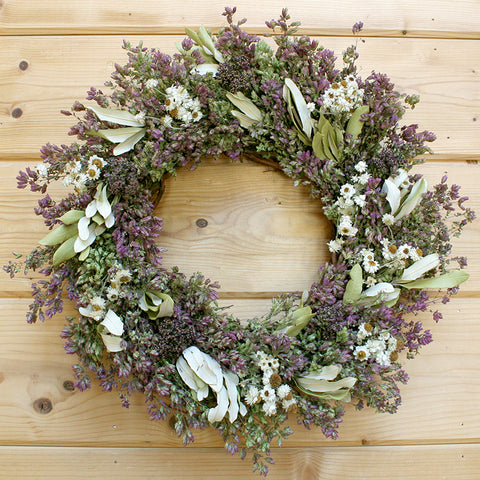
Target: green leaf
pixel 118 135
pixel 291 90
pixel 413 199
pixel 300 319
pixel 73 216
pixel 245 105
pixel 317 146
pixel 355 124
pixel 353 290
pixel 122 117
pixel 59 235
pixel 447 280
pixel 129 143
pixel 65 251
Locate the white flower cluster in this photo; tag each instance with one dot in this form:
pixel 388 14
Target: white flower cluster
pixel 181 106
pixel 78 175
pixel 352 199
pixel 379 345
pixel 343 97
pixel 274 392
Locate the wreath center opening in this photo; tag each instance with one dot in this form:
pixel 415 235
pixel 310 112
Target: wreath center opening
pixel 258 236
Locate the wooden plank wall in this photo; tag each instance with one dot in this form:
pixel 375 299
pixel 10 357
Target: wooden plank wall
pixel 263 237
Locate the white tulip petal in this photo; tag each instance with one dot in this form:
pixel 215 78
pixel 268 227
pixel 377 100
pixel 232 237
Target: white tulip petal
pixel 104 208
pixel 425 264
pixel 113 323
pixel 83 230
pixel 217 413
pixel 86 311
pixel 205 367
pixel 400 178
pixel 231 382
pixel 192 380
pixel 91 209
pixel 80 245
pixel 393 195
pixel 110 220
pixel 112 342
pixel 382 287
pixel 205 68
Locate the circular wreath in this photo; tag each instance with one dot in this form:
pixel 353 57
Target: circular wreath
pixel 144 328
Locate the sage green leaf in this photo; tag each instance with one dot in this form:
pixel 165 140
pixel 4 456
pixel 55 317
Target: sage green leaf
pixel 121 117
pixel 424 265
pixel 245 122
pixel 331 137
pixel 338 136
pixel 355 124
pixel 193 35
pixel 393 195
pixel 73 216
pixel 245 105
pixel 317 146
pixel 166 307
pixel 290 89
pixel 340 395
pixel 207 43
pixel 353 290
pixel 119 135
pixel 413 199
pixel 65 251
pixel 84 254
pixel 299 319
pixel 59 235
pixel 447 280
pixel 129 143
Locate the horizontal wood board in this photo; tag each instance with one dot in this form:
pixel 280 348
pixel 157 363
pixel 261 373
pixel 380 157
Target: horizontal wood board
pixel 266 237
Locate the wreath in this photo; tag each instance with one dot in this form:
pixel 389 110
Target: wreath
pixel 144 328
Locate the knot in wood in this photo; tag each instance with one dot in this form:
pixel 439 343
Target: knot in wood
pixel 23 65
pixel 17 112
pixel 43 405
pixel 68 385
pixel 201 223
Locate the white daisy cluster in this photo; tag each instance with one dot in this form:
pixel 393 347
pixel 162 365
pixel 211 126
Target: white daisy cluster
pixel 377 345
pixel 397 257
pixel 351 200
pixel 343 97
pixel 42 172
pixel 78 175
pixel 151 83
pixel 120 277
pixel 274 392
pixel 180 106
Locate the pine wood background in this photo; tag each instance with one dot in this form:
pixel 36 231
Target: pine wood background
pixel 263 237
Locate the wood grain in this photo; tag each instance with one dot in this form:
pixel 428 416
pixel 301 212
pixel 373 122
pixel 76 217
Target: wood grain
pixel 430 18
pixel 437 402
pixel 437 70
pixel 263 234
pixel 50 55
pixel 432 462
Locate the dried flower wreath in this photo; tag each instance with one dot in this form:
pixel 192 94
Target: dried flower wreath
pixel 143 328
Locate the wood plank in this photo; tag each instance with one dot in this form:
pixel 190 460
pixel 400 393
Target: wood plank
pixel 430 18
pixel 445 80
pixel 263 235
pixel 437 402
pixel 430 462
